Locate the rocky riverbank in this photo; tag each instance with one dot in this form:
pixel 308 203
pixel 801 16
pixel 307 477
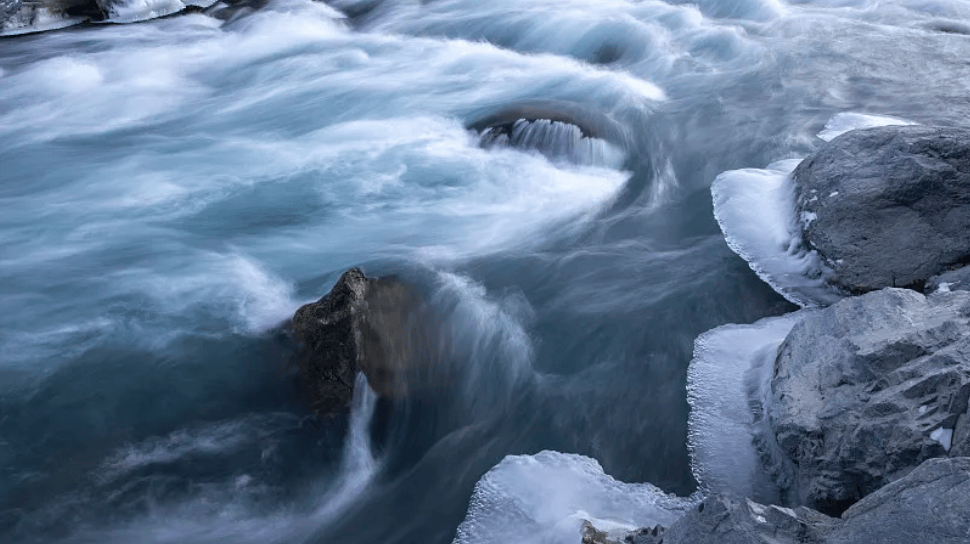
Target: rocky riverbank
pixel 854 418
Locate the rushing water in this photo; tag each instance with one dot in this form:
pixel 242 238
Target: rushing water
pixel 171 191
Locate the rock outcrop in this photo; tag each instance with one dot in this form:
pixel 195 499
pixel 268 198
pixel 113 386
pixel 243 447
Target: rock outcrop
pixel 866 390
pixel 371 325
pixel 928 506
pixel 887 206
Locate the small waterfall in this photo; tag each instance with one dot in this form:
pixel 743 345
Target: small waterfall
pixel 358 466
pixel 556 140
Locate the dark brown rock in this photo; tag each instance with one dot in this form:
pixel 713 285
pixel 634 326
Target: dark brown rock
pixel 372 325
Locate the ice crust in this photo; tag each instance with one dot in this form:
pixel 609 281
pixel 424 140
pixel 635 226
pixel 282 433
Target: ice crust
pixel 728 386
pixel 756 211
pixel 544 499
pixel 844 122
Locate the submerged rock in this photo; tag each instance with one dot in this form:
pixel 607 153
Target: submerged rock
pixel 866 390
pixel 887 206
pixel 557 129
pixel 929 506
pixel 369 324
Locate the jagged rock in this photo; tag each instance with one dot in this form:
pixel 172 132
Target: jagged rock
pixel 866 390
pixel 887 206
pixel 929 506
pixel 372 325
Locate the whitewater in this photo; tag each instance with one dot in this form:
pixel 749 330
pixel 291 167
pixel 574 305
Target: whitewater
pixel 171 191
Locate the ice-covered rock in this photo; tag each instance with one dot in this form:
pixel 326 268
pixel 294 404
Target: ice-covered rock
pixel 885 203
pixel 890 206
pixel 547 498
pixel 867 389
pixel 131 11
pixel 25 16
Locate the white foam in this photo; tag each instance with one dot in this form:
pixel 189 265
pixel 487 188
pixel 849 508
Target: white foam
pixel 844 122
pixel 212 438
pixel 943 436
pixel 660 36
pixel 756 212
pixel 230 286
pixel 727 385
pixel 544 499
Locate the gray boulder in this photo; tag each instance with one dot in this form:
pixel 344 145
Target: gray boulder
pixel 887 206
pixel 371 325
pixel 931 505
pixel 726 520
pixel 866 390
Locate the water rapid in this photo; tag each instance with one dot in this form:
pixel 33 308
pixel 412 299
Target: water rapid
pixel 172 190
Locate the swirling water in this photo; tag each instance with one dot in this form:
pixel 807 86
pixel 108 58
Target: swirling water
pixel 171 191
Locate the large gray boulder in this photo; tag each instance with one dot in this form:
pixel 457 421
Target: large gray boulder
pixel 887 206
pixel 931 505
pixel 866 390
pixel 369 325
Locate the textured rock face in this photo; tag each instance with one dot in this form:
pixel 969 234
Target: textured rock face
pixel 887 206
pixel 363 324
pixel 929 506
pixel 866 390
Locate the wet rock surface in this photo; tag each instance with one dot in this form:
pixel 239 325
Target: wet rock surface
pixel 887 206
pixel 866 390
pixel 371 325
